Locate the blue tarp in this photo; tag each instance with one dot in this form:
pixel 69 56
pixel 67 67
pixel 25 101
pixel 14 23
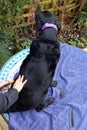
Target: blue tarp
pixel 71 74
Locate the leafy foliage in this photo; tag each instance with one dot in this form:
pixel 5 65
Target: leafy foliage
pixel 82 18
pixel 9 11
pixel 5 54
pixel 71 13
pixel 66 10
pixel 82 42
pixel 23 43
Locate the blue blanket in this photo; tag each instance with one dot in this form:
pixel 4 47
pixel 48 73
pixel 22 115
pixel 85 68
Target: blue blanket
pixel 71 74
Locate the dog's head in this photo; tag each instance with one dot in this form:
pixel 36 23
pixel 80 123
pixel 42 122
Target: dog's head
pixel 44 17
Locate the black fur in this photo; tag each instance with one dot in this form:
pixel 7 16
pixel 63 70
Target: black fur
pixel 39 66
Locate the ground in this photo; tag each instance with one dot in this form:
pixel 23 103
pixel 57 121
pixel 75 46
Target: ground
pixel 3 124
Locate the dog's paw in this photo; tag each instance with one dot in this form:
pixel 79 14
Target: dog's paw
pixel 49 101
pixel 40 108
pixel 53 83
pixel 45 104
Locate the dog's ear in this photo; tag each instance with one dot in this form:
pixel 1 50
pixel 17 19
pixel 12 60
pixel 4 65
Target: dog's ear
pixel 38 21
pixel 37 14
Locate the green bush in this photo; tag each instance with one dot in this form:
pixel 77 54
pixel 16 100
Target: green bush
pixel 82 18
pixel 9 11
pixel 5 54
pixel 82 42
pixel 22 43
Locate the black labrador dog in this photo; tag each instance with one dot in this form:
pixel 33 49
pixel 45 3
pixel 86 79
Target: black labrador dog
pixel 39 66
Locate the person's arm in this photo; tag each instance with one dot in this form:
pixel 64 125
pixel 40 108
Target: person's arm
pixel 7 99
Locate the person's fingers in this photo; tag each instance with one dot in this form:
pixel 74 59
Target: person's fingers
pixel 6 82
pixel 3 83
pixel 5 88
pixel 22 77
pixel 20 82
pixel 19 77
pixel 24 82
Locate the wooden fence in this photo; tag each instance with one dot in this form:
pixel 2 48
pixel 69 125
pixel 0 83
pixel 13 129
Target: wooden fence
pixel 26 21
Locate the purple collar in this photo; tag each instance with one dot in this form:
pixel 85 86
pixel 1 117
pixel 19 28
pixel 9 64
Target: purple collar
pixel 48 25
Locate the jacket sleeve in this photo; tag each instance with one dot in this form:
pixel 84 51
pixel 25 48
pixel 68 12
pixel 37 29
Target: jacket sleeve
pixel 7 99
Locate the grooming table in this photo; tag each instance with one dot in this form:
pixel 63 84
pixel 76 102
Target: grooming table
pixel 69 111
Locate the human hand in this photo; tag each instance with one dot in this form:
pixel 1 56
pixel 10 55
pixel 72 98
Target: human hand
pixel 4 86
pixel 19 83
pixel 2 83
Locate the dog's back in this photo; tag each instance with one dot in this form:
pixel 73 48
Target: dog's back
pixel 39 66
